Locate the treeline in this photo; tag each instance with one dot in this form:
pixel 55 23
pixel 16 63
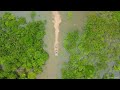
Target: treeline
pixel 21 47
pixel 95 53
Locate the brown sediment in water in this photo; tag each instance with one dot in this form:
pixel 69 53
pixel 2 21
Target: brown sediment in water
pixel 56 21
pixel 53 66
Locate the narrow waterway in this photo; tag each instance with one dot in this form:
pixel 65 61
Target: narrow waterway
pixel 52 68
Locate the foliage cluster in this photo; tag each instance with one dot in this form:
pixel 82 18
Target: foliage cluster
pixel 69 15
pixel 21 47
pixel 93 50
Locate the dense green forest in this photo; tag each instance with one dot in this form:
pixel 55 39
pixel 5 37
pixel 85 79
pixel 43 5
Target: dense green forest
pixel 21 47
pixel 96 49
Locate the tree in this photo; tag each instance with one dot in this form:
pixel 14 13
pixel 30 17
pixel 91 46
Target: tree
pixel 21 47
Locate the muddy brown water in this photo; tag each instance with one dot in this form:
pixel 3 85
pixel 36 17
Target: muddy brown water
pixel 52 68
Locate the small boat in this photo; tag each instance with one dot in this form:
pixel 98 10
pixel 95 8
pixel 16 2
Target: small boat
pixel 56 50
pixel 56 53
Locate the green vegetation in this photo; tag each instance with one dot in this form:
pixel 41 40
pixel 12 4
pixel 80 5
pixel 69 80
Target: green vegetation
pixel 92 50
pixel 21 47
pixel 33 14
pixel 69 15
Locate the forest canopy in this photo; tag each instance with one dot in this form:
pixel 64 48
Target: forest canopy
pixel 94 52
pixel 21 47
